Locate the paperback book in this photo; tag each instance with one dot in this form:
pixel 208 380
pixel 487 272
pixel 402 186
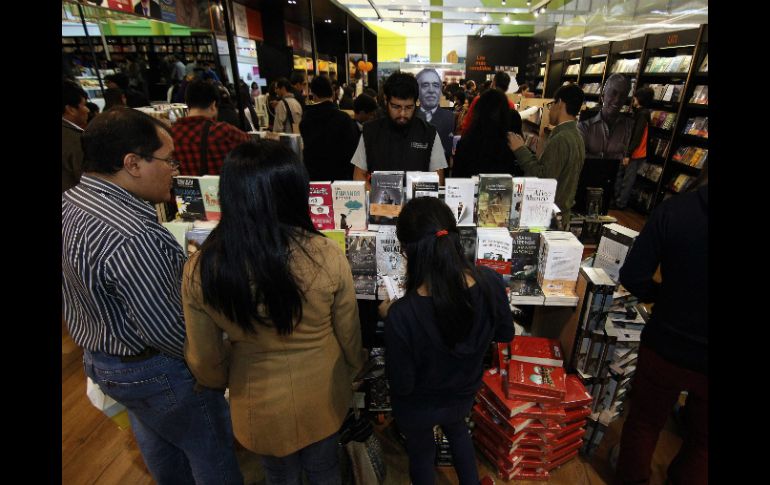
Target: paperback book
pixel 361 252
pixel 349 205
pixel 495 195
pixel 386 197
pixel 320 204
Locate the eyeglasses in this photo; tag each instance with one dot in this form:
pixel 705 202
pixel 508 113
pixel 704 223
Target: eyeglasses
pixel 399 108
pixel 550 105
pixel 170 161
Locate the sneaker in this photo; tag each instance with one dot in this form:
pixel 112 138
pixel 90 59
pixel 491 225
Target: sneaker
pixel 613 458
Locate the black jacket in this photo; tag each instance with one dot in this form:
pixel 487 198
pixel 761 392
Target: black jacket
pixel 641 119
pixel 472 160
pixel 330 138
pixel 421 369
pixel 676 237
pixel 398 148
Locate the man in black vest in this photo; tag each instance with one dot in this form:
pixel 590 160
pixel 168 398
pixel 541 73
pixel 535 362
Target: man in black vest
pixel 399 141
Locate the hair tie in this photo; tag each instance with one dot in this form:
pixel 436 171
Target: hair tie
pixel 442 232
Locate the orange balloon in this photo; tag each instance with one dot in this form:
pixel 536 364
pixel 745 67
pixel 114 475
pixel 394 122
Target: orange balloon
pixel 369 66
pixel 361 65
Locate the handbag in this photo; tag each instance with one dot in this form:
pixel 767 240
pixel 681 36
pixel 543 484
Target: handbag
pixel 363 449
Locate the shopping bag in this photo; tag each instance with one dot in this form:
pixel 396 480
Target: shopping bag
pixel 104 403
pixel 363 449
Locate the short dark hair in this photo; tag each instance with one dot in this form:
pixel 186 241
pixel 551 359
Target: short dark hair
pixel 364 103
pixel 120 79
pixel 113 97
pixel 572 96
pixel 460 96
pixel 71 95
pixel 297 77
pixel 282 82
pixel 645 95
pixel 371 92
pixel 502 80
pixel 114 134
pixel 401 85
pixel 200 93
pixel 321 87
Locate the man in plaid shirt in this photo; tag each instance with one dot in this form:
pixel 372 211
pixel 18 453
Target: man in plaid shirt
pixel 202 98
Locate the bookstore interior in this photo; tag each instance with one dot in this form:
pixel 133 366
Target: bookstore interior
pixel 552 403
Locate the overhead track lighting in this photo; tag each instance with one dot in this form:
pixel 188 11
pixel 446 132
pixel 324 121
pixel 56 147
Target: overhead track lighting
pixel 485 18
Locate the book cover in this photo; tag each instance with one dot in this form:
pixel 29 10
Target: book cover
pixel 519 393
pixel 542 379
pixel 516 198
pixel 524 256
pixel 363 263
pixel 386 197
pixel 189 199
pixel 495 194
pixel 495 432
pixel 559 263
pixel 525 292
pixel 493 249
pixel 421 184
pixel 468 238
pixel 511 426
pixel 492 390
pixel 614 245
pixel 685 64
pixel 576 395
pixel 536 412
pixel 460 199
pixel 210 193
pixel 178 229
pixel 336 235
pixel 576 414
pixel 537 202
pixel 194 239
pixel 320 204
pixel 498 450
pixel 537 350
pixel 349 205
pixel 704 66
pixel 390 261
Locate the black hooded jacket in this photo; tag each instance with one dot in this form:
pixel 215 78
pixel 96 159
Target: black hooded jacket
pixel 421 369
pixel 330 138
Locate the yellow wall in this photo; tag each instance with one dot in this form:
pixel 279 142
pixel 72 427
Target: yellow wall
pixel 390 45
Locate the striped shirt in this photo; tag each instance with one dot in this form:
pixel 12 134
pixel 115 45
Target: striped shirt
pixel 121 272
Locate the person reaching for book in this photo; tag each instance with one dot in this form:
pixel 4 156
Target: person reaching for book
pixel 436 336
pixel 284 294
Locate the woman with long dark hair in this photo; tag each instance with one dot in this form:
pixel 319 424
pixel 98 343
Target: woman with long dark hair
pixel 284 295
pixel 483 147
pixel 436 336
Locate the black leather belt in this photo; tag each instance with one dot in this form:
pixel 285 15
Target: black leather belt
pixel 143 355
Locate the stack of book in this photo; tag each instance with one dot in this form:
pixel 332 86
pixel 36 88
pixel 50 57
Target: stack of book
pixel 692 156
pixel 667 92
pixel 650 171
pixel 626 66
pixel 675 64
pixel 530 416
pixel 573 70
pixel 592 88
pixel 662 119
pixel 596 68
pixel 558 265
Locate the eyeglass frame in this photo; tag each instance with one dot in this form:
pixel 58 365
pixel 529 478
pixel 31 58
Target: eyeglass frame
pixel 171 161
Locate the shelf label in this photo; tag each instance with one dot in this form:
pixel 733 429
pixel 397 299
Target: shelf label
pixel 672 39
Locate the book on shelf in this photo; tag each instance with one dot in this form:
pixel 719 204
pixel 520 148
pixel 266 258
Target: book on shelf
pixel 210 192
pixel 680 183
pixel 320 204
pixel 516 198
pixel 349 205
pixel 421 184
pixel 178 229
pixel 494 248
pixel 361 252
pixel 704 66
pixel 685 64
pixel 614 245
pixel 494 203
pixel 537 202
pixel 390 261
pixel 700 95
pixel 386 196
pixel 460 199
pixel 525 292
pixel 468 239
pixel 336 235
pixel 525 251
pixel 194 239
pixel 558 263
pixel 189 198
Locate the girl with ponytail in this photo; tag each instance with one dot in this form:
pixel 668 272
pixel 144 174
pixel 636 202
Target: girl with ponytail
pixel 436 336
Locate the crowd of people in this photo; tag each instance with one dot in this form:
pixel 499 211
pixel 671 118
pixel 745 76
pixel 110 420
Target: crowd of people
pixel 152 322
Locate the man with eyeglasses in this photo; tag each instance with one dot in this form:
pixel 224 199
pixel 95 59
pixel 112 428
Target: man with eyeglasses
pixel 563 153
pixel 121 285
pixel 201 142
pixel 399 141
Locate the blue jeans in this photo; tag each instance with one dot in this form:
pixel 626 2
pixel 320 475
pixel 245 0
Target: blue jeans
pixel 625 181
pixel 319 461
pixel 417 426
pixel 185 434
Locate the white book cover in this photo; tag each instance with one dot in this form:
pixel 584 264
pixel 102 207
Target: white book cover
pixel 425 183
pixel 210 194
pixel 613 248
pixel 459 197
pixel 390 261
pixel 494 248
pixel 349 204
pixel 518 196
pixel 537 201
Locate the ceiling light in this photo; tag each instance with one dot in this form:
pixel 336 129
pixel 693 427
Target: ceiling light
pixel 506 19
pixel 328 21
pixel 535 13
pixel 542 9
pixel 485 18
pixel 529 3
pixel 503 3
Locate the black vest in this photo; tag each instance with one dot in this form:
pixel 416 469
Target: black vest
pixel 390 149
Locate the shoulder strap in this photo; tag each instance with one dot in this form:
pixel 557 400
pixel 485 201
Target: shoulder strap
pixel 289 115
pixel 204 149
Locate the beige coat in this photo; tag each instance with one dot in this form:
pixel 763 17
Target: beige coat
pixel 286 392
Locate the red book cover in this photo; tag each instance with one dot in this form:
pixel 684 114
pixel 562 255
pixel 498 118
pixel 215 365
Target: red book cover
pixel 559 453
pixel 541 379
pixel 511 426
pixel 496 434
pixel 492 389
pixel 320 205
pixel 501 453
pixel 502 468
pixel 537 350
pixel 568 439
pixel 576 395
pixel 517 394
pixel 536 412
pixel 534 439
pixel 502 357
pixel 564 459
pixel 539 428
pixel 577 413
pixel 570 428
pixel 531 451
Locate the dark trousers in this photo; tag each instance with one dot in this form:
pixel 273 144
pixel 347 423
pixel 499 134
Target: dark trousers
pixel 417 426
pixel 656 388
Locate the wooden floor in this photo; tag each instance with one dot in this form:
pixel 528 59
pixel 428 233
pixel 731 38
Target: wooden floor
pixel 96 451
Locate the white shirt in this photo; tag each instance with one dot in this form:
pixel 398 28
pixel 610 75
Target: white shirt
pixel 437 158
pixel 429 113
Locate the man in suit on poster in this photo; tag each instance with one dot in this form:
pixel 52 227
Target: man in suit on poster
pixel 443 120
pixel 148 8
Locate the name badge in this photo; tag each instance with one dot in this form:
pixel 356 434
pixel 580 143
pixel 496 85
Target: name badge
pixel 419 146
